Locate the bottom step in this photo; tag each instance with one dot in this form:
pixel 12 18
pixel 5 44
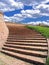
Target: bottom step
pixel 27 58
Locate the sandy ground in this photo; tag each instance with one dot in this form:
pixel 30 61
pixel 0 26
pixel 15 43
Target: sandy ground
pixel 7 60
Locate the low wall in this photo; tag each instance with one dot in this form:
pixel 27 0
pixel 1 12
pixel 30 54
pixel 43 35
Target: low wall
pixel 48 46
pixel 3 31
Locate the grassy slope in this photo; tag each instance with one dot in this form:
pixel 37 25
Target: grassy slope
pixel 47 63
pixel 43 30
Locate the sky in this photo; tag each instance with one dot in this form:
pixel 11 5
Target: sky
pixel 25 11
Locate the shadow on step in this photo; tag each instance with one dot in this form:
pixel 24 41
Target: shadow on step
pixel 24 59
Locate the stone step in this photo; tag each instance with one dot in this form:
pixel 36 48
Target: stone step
pixel 25 34
pixel 38 41
pixel 40 48
pixel 27 52
pixel 27 38
pixel 29 44
pixel 31 34
pixel 27 58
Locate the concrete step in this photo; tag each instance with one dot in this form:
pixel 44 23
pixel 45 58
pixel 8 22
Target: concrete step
pixel 27 52
pixel 38 41
pixel 40 48
pixel 23 33
pixel 27 38
pixel 27 58
pixel 29 44
pixel 32 35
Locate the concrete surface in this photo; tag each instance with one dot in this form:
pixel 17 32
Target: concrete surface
pixel 3 30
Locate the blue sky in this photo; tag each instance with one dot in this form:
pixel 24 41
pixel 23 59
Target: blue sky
pixel 25 11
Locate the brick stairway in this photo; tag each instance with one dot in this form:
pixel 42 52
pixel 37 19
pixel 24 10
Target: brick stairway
pixel 26 45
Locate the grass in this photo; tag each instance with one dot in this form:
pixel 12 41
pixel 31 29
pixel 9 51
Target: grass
pixel 47 62
pixel 43 30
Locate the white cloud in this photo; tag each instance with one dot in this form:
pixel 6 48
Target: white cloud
pixel 32 11
pixel 18 15
pixel 40 8
pixel 32 23
pixel 30 2
pixel 47 20
pixel 29 13
pixel 14 18
pixel 38 22
pixel 16 4
pixel 43 6
pixel 45 1
pixel 7 18
pixel 45 23
pixel 44 14
pixel 10 5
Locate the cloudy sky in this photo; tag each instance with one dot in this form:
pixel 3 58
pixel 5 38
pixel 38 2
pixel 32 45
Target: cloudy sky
pixel 25 11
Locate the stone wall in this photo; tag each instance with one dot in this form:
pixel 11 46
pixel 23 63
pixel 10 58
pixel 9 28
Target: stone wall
pixel 3 31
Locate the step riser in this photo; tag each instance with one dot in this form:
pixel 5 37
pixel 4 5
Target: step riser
pixel 24 59
pixel 28 41
pixel 33 33
pixel 17 34
pixel 26 48
pixel 24 32
pixel 25 35
pixel 32 54
pixel 27 44
pixel 26 38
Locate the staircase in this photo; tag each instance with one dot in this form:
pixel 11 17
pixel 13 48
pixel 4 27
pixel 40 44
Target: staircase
pixel 26 45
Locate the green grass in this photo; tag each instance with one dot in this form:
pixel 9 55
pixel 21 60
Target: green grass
pixel 43 30
pixel 47 62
